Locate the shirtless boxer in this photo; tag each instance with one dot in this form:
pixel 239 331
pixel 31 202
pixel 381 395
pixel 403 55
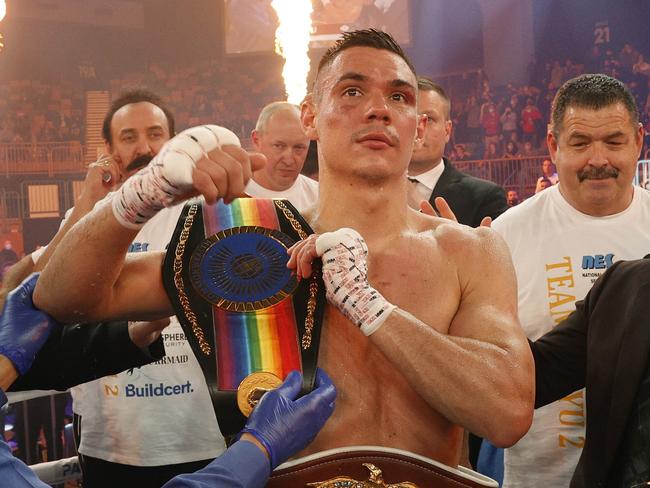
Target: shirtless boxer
pixel 436 348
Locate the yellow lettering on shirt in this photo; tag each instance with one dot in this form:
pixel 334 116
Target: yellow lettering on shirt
pixel 559 299
pixel 565 441
pixel 572 417
pixel 576 398
pixel 560 315
pixel 560 281
pixel 566 264
pixel 560 284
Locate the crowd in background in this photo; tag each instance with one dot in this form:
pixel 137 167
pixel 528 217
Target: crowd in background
pixel 225 93
pixel 510 121
pixel 490 122
pixel 34 112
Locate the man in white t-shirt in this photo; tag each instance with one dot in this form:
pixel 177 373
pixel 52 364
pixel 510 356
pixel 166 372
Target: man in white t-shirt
pixel 279 135
pixel 129 428
pixel 593 218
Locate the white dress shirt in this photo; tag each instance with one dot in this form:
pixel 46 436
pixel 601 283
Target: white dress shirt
pixel 426 182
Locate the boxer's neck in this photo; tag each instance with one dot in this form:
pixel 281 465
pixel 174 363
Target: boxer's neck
pixel 375 211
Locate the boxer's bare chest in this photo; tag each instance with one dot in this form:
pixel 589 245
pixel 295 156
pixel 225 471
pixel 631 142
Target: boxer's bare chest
pixel 375 404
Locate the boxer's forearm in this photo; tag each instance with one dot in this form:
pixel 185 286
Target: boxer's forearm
pixel 95 188
pixel 484 386
pixel 77 214
pixel 81 274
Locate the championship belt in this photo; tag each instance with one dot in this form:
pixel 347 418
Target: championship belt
pixel 247 318
pixel 373 467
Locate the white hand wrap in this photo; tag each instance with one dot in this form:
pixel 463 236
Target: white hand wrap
pixel 168 175
pixel 345 272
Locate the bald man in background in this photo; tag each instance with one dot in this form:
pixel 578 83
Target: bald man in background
pixel 279 135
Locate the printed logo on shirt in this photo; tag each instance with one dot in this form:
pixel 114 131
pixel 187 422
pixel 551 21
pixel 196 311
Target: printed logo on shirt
pixel 594 266
pixel 598 261
pixel 173 339
pixel 138 247
pixel 179 359
pixel 560 283
pixel 147 390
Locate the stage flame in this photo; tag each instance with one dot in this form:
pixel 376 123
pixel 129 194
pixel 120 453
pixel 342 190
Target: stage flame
pixel 3 9
pixel 292 43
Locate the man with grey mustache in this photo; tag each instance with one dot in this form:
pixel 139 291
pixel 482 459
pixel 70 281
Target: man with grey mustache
pixel 564 238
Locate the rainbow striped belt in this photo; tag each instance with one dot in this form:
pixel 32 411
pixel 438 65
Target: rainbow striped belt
pixel 245 315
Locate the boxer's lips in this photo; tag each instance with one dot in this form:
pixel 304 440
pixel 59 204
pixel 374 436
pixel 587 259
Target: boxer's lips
pixel 376 140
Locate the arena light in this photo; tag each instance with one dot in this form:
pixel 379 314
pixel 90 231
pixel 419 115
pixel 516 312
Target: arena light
pixel 292 43
pixel 3 12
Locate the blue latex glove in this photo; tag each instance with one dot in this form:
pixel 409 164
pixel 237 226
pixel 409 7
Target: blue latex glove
pixel 284 425
pixel 23 328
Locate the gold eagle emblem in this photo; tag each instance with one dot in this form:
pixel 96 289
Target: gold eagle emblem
pixel 376 480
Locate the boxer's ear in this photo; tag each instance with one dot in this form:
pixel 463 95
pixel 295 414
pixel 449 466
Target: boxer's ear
pixel 308 117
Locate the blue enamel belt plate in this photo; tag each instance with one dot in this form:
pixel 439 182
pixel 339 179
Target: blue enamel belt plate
pixel 243 269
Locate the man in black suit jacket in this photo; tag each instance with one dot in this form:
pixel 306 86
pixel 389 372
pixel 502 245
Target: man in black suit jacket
pixel 605 346
pixel 433 176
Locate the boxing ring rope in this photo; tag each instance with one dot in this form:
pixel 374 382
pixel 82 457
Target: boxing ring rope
pixel 58 472
pixel 21 396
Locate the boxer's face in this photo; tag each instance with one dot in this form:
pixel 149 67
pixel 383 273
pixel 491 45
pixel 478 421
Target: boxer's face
pixel 364 114
pixel 139 131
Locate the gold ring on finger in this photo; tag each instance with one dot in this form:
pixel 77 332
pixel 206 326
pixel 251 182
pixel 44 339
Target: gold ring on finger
pixel 100 164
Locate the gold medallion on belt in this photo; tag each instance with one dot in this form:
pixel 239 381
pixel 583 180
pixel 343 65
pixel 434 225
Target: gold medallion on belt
pixel 253 387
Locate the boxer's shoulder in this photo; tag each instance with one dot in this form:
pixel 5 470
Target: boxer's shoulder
pixel 445 229
pixel 458 240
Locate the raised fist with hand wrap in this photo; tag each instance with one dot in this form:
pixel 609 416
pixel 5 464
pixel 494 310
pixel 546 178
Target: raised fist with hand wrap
pixel 204 160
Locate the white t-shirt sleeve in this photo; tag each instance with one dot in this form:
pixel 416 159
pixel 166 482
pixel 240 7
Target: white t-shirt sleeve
pixel 36 255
